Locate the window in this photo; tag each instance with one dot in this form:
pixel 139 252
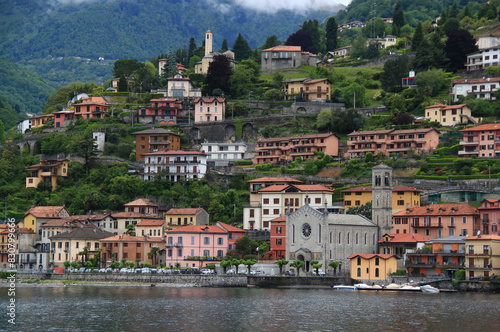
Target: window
pixel 278 230
pixel 278 242
pixel 138 255
pixel 276 211
pixel 377 261
pixel 376 272
pixel 359 272
pixel 192 239
pixel 317 200
pixel 359 260
pixel 220 241
pixel 265 211
pixel 206 240
pixel 252 213
pixel 401 202
pixel 266 201
pixel 340 237
pixel 357 203
pixel 169 253
pixel 206 252
pixel 347 203
pixel 125 255
pixel 276 201
pixel 464 220
pixel 220 253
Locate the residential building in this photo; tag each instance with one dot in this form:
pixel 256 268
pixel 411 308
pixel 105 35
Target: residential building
pixel 488 41
pixel 481 141
pixel 307 89
pixel 490 216
pixel 352 24
pixel 483 58
pixel 444 255
pixel 372 266
pixel 142 205
pixel 410 80
pixel 46 171
pixel 68 245
pixel 285 57
pixel 115 80
pixel 260 183
pixel 180 86
pixel 175 165
pixel 391 142
pixel 23 125
pixel 120 221
pixel 163 62
pixel 233 234
pixel 196 245
pixel 155 139
pixel 176 218
pixel 25 253
pixel 151 228
pixel 273 201
pixel 480 88
pixel 91 108
pixel 277 245
pixel 201 67
pixel 384 42
pixel 37 215
pixel 451 115
pixel 278 150
pixel 63 118
pixel 131 248
pixel 40 120
pixel 4 246
pixel 325 237
pixel 437 220
pixel 339 53
pixel 161 111
pixel 209 109
pixel 223 154
pixel 482 257
pixel 398 244
pixel 402 197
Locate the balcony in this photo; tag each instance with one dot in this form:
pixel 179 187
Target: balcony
pixel 421 264
pixel 178 245
pixel 427 225
pixel 466 153
pixel 186 161
pixel 204 258
pixel 468 143
pixel 485 221
pixel 169 245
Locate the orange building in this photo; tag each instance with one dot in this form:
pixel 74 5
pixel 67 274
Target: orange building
pixel 46 171
pixel 437 220
pixel 372 266
pixel 130 248
pixel 161 111
pixel 308 89
pixel 156 139
pixel 233 234
pixel 91 108
pixel 397 244
pixel 490 216
pixel 287 149
pixel 278 238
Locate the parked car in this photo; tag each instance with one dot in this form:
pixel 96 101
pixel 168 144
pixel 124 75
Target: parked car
pixel 320 272
pixel 145 270
pixel 102 270
pixel 81 270
pixel 230 271
pixel 124 270
pixel 206 271
pixel 290 273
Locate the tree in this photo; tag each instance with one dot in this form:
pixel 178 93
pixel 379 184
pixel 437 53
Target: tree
pixel 224 46
pixel 225 264
pixel 459 44
pixel 84 253
pixel 219 73
pixel 372 51
pixel 300 38
pixel 453 12
pixel 450 25
pixel 430 82
pixel 271 41
pixel 241 48
pixel 281 263
pixel 245 245
pixel 248 263
pixel 273 94
pixel 122 84
pixel 331 34
pixel 153 253
pixel 312 28
pixel 430 54
pixel 235 262
pixel 364 210
pixel 394 71
pixel 398 18
pixel 115 265
pixel 374 28
pixel 334 265
pixel 2 133
pixel 354 95
pixel 359 47
pixel 418 36
pixel 315 265
pixel 210 266
pixel 84 145
pixel 298 265
pixel 130 229
pixel 192 48
pixel 138 262
pixel 125 67
pixel 338 121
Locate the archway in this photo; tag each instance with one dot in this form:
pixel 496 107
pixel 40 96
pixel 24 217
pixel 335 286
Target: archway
pixel 229 131
pixel 194 135
pixel 301 110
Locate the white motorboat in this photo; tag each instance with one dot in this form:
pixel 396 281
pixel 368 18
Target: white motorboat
pixel 428 289
pixel 343 287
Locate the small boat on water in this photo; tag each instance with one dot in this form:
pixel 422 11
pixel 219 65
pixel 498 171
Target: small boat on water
pixel 428 289
pixel 367 287
pixel 343 287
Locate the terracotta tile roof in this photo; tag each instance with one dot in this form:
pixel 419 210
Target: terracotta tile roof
pixel 275 187
pixel 25 231
pixel 475 80
pixel 491 126
pixel 484 237
pixel 210 100
pixel 151 222
pixel 183 211
pixel 229 228
pixel 283 48
pixel 199 229
pixel 82 233
pixel 436 106
pixel 452 107
pixel 318 80
pixel 294 138
pixel 341 48
pixel 155 131
pixel 128 215
pixel 276 179
pixel 175 153
pixel 370 256
pixel 141 202
pixel 45 211
pixel 71 222
pixel 279 219
pixel 404 238
pixel 369 189
pixel 301 187
pixel 370 132
pixel 439 210
pixel 130 238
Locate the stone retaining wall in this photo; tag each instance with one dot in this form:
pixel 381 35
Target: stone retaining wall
pixel 275 281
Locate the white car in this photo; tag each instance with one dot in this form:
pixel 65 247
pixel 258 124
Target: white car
pixel 124 270
pixel 206 271
pixel 230 271
pixel 320 272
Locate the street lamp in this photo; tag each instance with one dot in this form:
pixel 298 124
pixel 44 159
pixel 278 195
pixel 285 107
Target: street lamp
pixel 249 92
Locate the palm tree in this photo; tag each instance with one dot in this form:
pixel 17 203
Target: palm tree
pixel 153 253
pixel 84 253
pixel 130 229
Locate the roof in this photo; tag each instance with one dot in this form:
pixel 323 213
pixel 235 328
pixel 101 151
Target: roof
pixel 141 202
pixel 128 215
pixel 151 222
pixel 349 219
pixel 209 100
pixel 199 229
pixel 370 256
pixel 292 138
pixel 45 211
pixel 449 239
pixel 452 107
pixel 283 48
pixel 184 211
pixel 475 80
pixel 230 228
pixel 439 210
pixel 307 80
pixel 279 219
pixel 70 222
pixel 274 179
pixel 175 153
pixel 157 131
pixel 130 238
pixel 484 237
pixel 301 187
pixel 491 126
pixel 435 106
pixel 369 189
pixel 82 233
pixel 404 238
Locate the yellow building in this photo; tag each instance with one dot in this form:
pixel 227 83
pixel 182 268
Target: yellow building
pixel 37 215
pixel 402 197
pixel 372 266
pixel 482 255
pixel 46 171
pixel 451 115
pixel 307 88
pixel 176 218
pixel 150 227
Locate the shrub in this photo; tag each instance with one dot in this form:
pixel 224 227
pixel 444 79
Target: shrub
pixel 243 162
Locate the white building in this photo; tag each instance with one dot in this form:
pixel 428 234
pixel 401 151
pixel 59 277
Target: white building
pixel 24 125
pixel 483 58
pixel 479 87
pixel 222 154
pixel 180 87
pixel 175 165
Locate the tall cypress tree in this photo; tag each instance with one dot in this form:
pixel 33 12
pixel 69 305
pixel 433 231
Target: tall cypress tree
pixel 192 48
pixel 418 36
pixel 224 47
pixel 398 19
pixel 331 34
pixel 241 48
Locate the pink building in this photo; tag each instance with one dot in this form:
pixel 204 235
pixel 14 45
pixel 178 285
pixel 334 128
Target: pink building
pixel 234 233
pixel 481 141
pixel 196 245
pixel 92 107
pixel 490 216
pixel 209 109
pixel 437 220
pixel 63 118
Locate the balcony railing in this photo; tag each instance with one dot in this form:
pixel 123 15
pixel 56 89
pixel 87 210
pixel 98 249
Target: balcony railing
pixel 204 258
pixel 178 245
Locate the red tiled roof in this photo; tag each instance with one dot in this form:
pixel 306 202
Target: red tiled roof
pixel 128 215
pixel 370 256
pixel 435 210
pixel 452 107
pixel 283 48
pixel 435 106
pixel 151 222
pixel 209 100
pixel 141 202
pixel 184 211
pixel 301 187
pixel 45 211
pixel 475 80
pixel 483 237
pixel 230 228
pixel 369 189
pixel 70 222
pixel 175 153
pixel 199 229
pixel 279 219
pixel 130 238
pixel 277 179
pixel 491 126
pixel 404 238
pixel 292 138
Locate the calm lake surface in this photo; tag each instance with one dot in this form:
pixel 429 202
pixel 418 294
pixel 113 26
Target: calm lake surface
pixel 132 308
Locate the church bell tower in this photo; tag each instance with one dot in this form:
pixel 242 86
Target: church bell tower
pixel 382 198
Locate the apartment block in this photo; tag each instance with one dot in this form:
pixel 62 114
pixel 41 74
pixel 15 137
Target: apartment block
pixel 481 141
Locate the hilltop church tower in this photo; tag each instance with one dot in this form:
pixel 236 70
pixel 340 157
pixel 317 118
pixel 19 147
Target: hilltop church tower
pixel 208 42
pixel 382 198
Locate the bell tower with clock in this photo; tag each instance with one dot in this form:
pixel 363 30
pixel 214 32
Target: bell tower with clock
pixel 382 198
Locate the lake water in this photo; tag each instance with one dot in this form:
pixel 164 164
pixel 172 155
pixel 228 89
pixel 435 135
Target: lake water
pixel 132 308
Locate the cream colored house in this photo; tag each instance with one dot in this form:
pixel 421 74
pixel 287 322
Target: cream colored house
pixel 372 266
pixel 481 255
pixel 451 115
pixel 150 227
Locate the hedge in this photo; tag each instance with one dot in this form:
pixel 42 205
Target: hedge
pixel 243 162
